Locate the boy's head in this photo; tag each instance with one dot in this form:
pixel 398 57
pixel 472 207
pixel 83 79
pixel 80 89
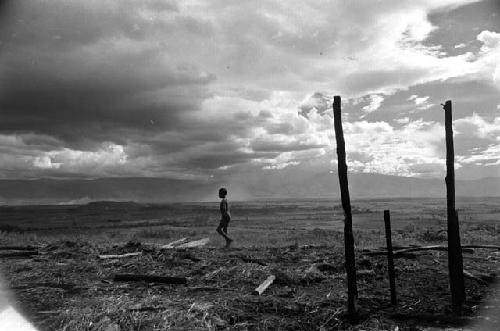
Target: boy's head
pixel 222 192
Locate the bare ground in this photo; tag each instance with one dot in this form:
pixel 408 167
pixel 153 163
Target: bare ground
pixel 66 287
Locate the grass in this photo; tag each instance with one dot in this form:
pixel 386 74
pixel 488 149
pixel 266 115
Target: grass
pixel 72 237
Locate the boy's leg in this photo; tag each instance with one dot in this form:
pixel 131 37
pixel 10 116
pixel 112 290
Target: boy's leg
pixel 224 228
pixel 220 230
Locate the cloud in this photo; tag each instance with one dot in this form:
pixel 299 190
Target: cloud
pixel 490 40
pixel 403 120
pixel 318 101
pixel 421 102
pixel 94 72
pixel 477 126
pixel 166 88
pixel 412 150
pixel 375 102
pixel 486 157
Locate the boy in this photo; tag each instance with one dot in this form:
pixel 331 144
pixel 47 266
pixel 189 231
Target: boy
pixel 225 216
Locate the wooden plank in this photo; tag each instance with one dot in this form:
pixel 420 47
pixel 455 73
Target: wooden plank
pixel 481 246
pixel 18 248
pixel 390 258
pixel 455 259
pixel 173 243
pixel 265 284
pixel 119 256
pixel 20 254
pixel 352 290
pixel 149 278
pixel 209 289
pixel 401 252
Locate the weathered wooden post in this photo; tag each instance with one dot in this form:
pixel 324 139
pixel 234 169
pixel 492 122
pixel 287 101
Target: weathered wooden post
pixel 390 257
pixel 455 260
pixel 350 262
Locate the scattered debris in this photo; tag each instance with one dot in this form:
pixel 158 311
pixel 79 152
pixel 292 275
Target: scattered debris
pixel 173 244
pixel 19 254
pixel 119 256
pixel 19 248
pixel 149 278
pixel 313 274
pixel 196 243
pixel 248 259
pixel 308 288
pixel 398 252
pixel 264 285
pixel 182 244
pixel 209 289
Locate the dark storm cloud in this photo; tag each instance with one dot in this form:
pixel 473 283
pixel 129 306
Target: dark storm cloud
pixel 122 87
pixel 219 159
pixel 65 24
pixel 264 146
pixel 467 96
pixel 75 72
pixel 473 18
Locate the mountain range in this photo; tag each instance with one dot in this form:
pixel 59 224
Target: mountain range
pixel 269 185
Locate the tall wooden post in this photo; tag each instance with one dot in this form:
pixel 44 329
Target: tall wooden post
pixel 390 257
pixel 455 260
pixel 350 262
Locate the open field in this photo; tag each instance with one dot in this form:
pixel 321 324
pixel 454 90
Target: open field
pixel 66 287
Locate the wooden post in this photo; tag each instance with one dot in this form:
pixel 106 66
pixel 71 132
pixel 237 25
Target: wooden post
pixel 455 260
pixel 350 262
pixel 390 257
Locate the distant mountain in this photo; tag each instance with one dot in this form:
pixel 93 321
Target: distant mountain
pixel 267 185
pixel 80 191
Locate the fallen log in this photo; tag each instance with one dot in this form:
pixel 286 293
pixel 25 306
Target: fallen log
pixel 465 249
pixel 63 286
pixel 149 278
pixel 265 284
pixel 118 256
pixel 18 248
pixel 209 289
pixel 173 244
pixel 21 254
pixel 195 243
pixel 482 246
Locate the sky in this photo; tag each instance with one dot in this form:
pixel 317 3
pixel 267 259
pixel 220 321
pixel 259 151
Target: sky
pixel 223 89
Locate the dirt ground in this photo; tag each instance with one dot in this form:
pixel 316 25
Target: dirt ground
pixel 67 287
